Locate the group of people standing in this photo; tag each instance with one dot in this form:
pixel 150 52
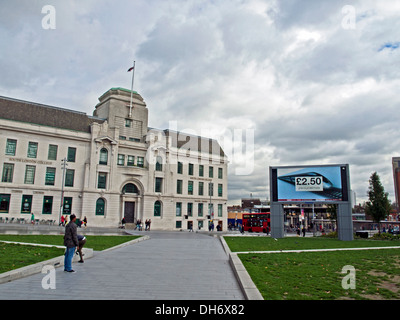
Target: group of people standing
pixel 64 221
pixel 139 225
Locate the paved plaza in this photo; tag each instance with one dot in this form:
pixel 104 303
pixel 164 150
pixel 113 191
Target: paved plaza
pixel 168 266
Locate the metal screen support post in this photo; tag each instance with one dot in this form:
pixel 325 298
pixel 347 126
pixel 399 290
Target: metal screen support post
pixel 345 222
pixel 277 221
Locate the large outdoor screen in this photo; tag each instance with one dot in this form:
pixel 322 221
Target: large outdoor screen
pixel 309 183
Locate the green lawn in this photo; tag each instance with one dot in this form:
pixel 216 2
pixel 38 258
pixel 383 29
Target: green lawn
pixel 317 275
pixel 97 243
pixel 241 244
pixel 14 256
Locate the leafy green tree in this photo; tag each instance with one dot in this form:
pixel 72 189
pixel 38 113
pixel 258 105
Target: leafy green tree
pixel 378 206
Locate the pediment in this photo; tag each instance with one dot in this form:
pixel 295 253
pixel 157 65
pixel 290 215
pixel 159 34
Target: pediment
pixel 106 138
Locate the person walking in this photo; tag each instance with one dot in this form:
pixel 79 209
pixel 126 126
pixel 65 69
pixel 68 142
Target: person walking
pixel 62 223
pixel 71 242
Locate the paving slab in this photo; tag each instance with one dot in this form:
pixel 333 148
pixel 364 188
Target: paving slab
pixel 168 266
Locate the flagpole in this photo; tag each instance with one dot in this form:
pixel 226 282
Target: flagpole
pixel 133 77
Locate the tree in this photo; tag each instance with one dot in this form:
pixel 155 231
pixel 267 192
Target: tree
pixel 332 211
pixel 378 206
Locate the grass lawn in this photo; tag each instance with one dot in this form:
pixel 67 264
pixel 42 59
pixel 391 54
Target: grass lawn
pixel 318 275
pixel 97 243
pixel 241 244
pixel 14 256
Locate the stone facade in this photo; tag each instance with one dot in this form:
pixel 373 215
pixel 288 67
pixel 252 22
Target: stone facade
pixel 117 167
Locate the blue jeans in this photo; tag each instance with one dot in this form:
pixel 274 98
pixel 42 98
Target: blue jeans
pixel 69 255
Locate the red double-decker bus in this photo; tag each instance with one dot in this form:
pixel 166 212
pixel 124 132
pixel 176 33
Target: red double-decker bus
pixel 257 222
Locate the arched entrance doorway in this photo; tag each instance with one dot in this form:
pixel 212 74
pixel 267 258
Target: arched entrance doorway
pixel 130 198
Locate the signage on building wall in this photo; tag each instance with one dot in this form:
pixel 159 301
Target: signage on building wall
pixel 201 179
pixel 30 161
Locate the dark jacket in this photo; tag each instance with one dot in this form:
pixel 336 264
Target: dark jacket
pixel 71 236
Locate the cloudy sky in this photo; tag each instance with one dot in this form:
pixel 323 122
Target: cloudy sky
pixel 276 82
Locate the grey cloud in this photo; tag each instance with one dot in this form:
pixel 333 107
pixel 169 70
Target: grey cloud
pixel 293 13
pixel 225 66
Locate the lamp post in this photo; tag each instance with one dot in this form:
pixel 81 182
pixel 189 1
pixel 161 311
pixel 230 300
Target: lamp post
pixel 64 164
pixel 211 191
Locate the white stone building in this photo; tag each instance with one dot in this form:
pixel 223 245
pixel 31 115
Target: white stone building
pixel 117 167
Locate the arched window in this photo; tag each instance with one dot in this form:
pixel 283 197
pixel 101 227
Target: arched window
pixel 100 207
pixel 103 156
pixel 157 209
pixel 130 188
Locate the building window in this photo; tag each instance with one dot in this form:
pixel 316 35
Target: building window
pixel 122 138
pixel 100 207
pixel 11 147
pixel 179 209
pixel 26 206
pixel 180 167
pixel 121 160
pixel 210 189
pixel 47 205
pixel 158 186
pixel 103 156
pixel 4 203
pixel 50 176
pixel 201 170
pixel 220 210
pixel 140 162
pixel 211 172
pixel 69 177
pixel 128 123
pixel 102 180
pixel 190 188
pixel 178 224
pixel 8 171
pixel 131 161
pixel 201 188
pixel 157 209
pixel 130 188
pixel 30 174
pixel 159 162
pixel 179 184
pixel 220 173
pixel 52 154
pixel 190 209
pixel 200 209
pixel 220 188
pixel 67 206
pixel 190 169
pixel 32 149
pixel 71 154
